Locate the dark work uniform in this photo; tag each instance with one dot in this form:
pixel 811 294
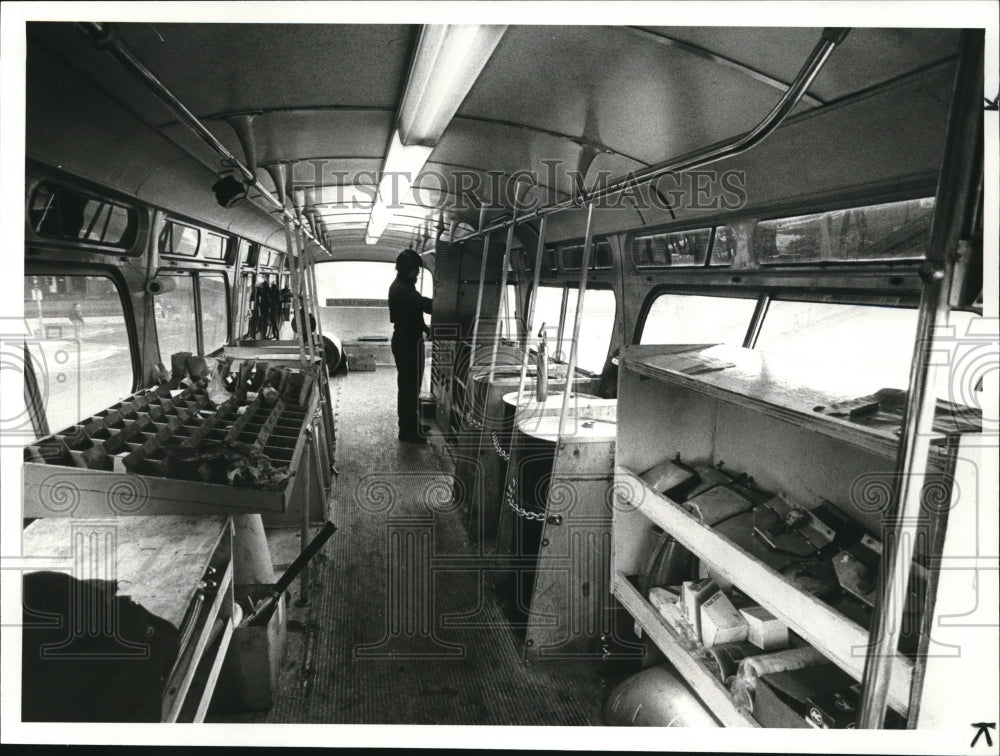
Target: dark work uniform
pixel 406 309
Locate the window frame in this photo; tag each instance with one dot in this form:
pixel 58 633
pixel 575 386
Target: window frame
pixel 835 207
pixel 168 230
pixel 133 235
pixel 753 326
pixel 199 313
pixel 114 275
pixel 227 246
pixel 713 234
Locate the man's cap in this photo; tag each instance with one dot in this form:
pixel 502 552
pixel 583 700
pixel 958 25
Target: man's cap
pixel 408 259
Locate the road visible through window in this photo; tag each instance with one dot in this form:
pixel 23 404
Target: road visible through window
pixel 79 345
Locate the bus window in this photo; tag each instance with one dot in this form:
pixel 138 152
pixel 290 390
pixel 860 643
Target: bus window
pixel 673 249
pixel 59 212
pixel 843 348
pixel 178 239
pixel 893 231
pixel 723 247
pixel 695 319
pixel 510 313
pixel 176 318
pixel 214 310
pixel 79 344
pixel 215 247
pixel 245 302
pixel 596 325
pixel 547 304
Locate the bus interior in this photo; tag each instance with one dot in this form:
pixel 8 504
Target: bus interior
pixel 708 393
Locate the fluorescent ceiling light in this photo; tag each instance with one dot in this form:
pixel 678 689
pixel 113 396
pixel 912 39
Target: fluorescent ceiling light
pixel 448 61
pixel 402 165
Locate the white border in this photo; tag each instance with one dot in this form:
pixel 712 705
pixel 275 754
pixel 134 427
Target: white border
pixel 12 51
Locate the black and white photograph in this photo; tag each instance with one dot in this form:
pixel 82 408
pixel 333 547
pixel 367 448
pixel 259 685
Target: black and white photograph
pixel 501 375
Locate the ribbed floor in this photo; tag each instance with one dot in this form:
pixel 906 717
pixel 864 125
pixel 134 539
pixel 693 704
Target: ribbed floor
pixel 401 628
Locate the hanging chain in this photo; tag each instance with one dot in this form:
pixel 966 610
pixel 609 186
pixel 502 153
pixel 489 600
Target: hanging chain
pixel 509 496
pixel 471 420
pixel 496 445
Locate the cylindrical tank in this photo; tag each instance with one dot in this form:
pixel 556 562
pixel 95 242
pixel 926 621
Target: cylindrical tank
pixel 656 697
pixel 533 445
pixel 333 351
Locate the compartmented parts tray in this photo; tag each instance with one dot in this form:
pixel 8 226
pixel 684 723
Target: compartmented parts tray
pixel 156 437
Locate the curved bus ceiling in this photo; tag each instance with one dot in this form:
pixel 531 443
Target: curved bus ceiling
pixel 551 101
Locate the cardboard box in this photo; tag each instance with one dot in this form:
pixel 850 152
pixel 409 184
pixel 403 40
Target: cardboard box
pixel 782 699
pixel 658 597
pixel 717 504
pixel 720 622
pixel 764 630
pixel 668 475
pixel 693 595
pixel 835 710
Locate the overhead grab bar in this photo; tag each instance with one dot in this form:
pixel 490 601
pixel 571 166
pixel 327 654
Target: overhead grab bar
pixel 106 38
pixel 830 38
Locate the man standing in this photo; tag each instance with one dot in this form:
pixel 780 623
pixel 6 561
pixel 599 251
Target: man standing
pixel 406 311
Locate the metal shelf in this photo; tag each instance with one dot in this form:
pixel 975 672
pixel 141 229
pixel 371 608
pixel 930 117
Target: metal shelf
pixel 708 688
pixel 841 640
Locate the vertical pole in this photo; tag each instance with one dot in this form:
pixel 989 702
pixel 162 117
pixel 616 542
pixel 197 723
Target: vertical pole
pixel 475 322
pixel 960 164
pixel 562 320
pixel 304 329
pixel 530 321
pixel 571 366
pixel 502 301
pixel 331 441
pixel 304 533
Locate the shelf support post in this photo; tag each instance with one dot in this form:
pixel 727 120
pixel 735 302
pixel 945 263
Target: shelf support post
pixel 953 208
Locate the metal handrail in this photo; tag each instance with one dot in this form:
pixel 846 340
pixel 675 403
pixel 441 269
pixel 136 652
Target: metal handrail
pixel 106 38
pixel 830 38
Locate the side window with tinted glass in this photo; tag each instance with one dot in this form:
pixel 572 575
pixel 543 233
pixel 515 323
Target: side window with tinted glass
pixel 78 343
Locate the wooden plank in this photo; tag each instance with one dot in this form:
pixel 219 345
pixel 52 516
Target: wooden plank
pixel 57 491
pixel 843 641
pixel 158 560
pixel 705 685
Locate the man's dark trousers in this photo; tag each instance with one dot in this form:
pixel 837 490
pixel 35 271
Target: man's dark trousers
pixel 408 352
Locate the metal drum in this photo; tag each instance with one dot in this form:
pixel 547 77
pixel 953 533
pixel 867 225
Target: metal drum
pixel 656 697
pixel 480 453
pixel 556 494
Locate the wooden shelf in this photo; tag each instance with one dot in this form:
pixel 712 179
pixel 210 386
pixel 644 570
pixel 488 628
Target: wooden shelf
pixel 703 682
pixel 844 642
pixel 758 382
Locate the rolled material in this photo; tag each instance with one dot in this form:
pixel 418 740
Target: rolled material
pixel 161 285
pixel 753 667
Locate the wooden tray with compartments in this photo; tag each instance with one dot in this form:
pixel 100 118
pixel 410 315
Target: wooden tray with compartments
pixel 118 462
